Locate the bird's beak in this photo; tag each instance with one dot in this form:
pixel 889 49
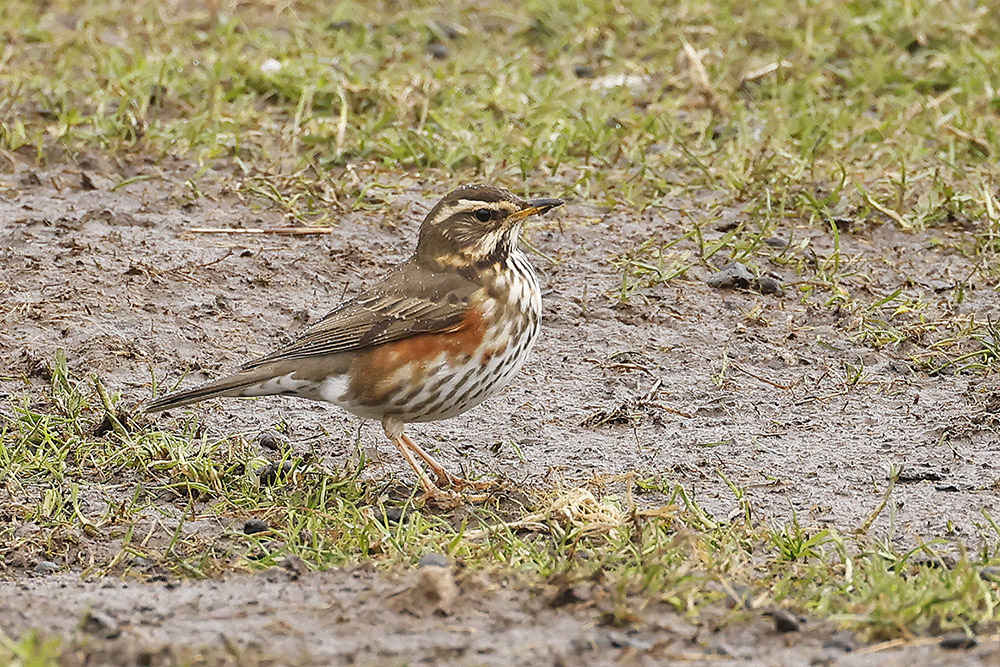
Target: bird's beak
pixel 535 207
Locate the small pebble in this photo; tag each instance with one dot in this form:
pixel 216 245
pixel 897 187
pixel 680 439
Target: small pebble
pixel 768 285
pixel 433 560
pixel 437 50
pixel 45 567
pixel 940 285
pixel 726 225
pixel 954 488
pixel 272 472
pixel 253 526
pixel 919 473
pixel 393 514
pixel 959 641
pixel 270 66
pixel 844 224
pixel 735 275
pixel 270 440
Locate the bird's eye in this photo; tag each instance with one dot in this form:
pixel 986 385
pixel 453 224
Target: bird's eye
pixel 483 214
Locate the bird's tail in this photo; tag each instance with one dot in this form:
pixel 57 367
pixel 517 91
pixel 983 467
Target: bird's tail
pixel 239 384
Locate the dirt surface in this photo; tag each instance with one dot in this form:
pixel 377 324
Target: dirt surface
pixel 359 617
pixel 682 381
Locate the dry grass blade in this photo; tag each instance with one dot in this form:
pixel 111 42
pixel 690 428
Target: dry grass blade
pixel 569 510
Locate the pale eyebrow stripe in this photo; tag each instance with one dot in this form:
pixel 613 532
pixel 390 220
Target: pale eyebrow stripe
pixel 493 205
pixel 468 205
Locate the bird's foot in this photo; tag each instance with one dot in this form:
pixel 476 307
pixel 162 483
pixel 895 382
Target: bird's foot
pixel 447 480
pixel 448 491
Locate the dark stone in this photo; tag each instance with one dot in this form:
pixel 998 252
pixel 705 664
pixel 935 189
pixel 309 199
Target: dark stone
pixel 921 473
pixel 270 440
pixel 273 472
pixel 735 275
pixel 954 488
pixel 959 641
pixel 393 514
pixel 253 526
pixel 768 285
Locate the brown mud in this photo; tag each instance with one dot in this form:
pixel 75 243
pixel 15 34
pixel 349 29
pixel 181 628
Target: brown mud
pixel 682 381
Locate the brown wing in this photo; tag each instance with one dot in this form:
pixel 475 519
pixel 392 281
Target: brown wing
pixel 409 301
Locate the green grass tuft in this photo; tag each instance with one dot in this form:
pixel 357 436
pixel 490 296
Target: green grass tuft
pixel 146 500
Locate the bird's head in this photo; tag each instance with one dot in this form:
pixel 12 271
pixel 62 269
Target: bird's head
pixel 476 224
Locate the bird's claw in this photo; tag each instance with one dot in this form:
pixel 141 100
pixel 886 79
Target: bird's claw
pixel 449 481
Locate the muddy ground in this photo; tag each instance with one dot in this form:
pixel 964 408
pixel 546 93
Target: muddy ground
pixel 682 381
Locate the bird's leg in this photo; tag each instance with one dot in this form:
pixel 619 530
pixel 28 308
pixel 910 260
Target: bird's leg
pixel 431 491
pixel 445 478
pixel 394 431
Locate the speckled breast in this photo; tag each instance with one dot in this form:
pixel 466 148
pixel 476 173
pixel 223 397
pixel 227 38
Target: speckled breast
pixel 437 375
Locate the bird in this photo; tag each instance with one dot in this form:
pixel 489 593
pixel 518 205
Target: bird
pixel 440 333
